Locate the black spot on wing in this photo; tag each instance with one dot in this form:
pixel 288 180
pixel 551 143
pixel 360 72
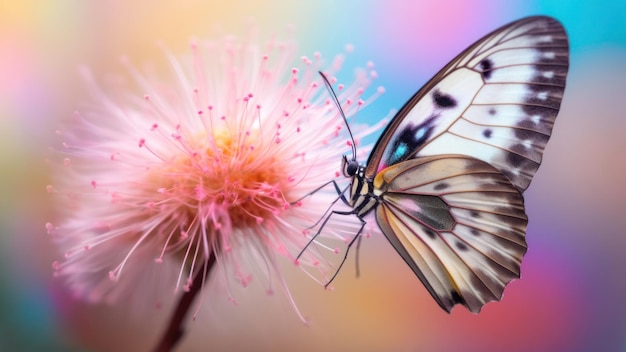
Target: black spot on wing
pixel 441 186
pixel 487 133
pixel 430 233
pixel 456 298
pixel 486 65
pixel 461 246
pixel 492 111
pixel 444 101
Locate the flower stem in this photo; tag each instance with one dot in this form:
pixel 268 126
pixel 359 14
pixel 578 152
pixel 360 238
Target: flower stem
pixel 175 330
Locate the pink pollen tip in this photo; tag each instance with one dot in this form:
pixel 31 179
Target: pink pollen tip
pixel 200 112
pixel 340 86
pixel 381 89
pixel 147 97
pixel 56 265
pixel 210 107
pixel 259 220
pixel 158 260
pixel 370 64
pixel 294 70
pixel 349 143
pixel 93 184
pixel 49 189
pixel 112 276
pixel 142 142
pixel 66 162
pixel 336 251
pixel 360 102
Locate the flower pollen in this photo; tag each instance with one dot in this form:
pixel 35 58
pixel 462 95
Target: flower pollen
pixel 218 164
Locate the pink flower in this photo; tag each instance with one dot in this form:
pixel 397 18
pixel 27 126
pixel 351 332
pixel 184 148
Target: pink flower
pixel 150 186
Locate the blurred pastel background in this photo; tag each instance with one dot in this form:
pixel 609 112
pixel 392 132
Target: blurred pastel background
pixel 573 292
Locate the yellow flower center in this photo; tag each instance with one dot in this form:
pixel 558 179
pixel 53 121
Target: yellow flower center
pixel 229 172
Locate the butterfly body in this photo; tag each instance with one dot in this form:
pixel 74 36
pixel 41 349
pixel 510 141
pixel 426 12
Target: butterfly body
pixel 446 177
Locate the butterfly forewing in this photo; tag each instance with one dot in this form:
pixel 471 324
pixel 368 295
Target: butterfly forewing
pixel 457 222
pixel 496 102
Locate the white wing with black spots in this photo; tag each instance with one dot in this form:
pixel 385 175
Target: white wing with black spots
pixel 497 102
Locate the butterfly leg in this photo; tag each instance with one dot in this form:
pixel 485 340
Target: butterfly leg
pixel 327 214
pixel 341 196
pixel 339 191
pixel 357 236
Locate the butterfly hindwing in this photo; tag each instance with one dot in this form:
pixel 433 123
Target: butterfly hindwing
pixel 497 102
pixel 457 222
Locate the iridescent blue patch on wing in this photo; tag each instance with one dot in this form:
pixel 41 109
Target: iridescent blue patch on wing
pixel 400 152
pixel 409 139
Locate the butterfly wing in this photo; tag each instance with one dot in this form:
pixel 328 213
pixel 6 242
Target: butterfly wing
pixel 457 222
pixel 497 101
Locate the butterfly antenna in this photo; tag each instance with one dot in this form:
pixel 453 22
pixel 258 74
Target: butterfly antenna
pixel 336 100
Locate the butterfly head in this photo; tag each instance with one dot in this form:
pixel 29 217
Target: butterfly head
pixel 349 168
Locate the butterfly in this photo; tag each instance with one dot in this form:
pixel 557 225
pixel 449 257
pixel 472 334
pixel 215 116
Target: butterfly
pixel 446 177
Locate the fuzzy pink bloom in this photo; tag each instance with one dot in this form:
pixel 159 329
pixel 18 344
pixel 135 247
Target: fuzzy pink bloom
pixel 150 185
